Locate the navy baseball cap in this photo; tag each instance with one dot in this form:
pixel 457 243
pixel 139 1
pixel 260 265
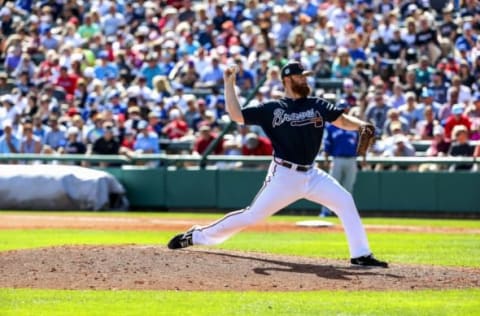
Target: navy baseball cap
pixel 294 68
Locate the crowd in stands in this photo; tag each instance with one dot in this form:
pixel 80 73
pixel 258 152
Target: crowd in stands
pixel 132 77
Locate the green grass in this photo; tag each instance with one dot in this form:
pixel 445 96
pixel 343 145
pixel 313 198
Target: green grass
pixel 425 248
pixel 49 302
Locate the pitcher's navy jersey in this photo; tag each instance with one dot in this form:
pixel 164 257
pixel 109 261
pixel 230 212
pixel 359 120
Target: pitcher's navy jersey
pixel 295 127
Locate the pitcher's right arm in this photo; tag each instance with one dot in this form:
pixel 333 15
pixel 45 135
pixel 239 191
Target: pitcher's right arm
pixel 231 99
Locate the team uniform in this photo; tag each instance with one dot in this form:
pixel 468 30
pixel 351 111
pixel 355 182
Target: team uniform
pixel 295 128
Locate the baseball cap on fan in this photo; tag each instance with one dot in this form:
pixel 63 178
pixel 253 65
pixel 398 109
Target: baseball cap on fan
pixel 294 68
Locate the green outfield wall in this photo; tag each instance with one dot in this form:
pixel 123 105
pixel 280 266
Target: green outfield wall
pixel 383 191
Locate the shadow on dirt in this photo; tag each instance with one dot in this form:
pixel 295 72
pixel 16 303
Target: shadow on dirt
pixel 322 271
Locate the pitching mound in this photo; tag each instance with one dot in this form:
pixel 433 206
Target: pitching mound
pixel 135 267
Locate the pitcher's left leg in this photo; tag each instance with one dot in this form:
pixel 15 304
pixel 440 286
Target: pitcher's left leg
pixel 327 191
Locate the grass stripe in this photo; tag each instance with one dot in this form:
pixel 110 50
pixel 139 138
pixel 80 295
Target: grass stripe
pixel 49 302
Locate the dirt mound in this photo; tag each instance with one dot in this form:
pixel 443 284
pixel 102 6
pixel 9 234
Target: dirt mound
pixel 136 267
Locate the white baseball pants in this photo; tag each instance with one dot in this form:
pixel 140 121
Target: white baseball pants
pixel 282 187
pixel 344 170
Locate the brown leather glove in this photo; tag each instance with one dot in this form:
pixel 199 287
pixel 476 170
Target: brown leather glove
pixel 366 134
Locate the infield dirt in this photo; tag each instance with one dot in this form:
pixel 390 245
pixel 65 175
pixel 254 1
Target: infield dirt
pixel 133 267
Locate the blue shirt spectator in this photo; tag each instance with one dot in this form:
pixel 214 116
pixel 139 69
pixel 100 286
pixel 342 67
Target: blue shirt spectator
pixel 339 142
pixel 151 69
pixel 146 141
pixel 214 73
pixel 464 42
pixel 105 69
pixel 55 136
pixel 9 143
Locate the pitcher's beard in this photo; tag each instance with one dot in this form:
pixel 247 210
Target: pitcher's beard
pixel 301 89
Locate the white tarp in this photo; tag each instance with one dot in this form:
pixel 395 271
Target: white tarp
pixel 57 187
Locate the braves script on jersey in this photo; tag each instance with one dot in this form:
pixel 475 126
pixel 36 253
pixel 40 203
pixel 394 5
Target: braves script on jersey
pixel 295 127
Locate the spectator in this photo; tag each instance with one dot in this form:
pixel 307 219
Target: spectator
pixel 426 40
pixel 411 84
pixel 425 127
pixel 457 118
pixel 30 144
pixel 439 146
pixel 105 68
pixel 107 144
pixel 146 141
pixel 4 87
pixel 39 129
pixel 88 29
pixel 473 110
pixel 438 87
pixel 177 127
pixel 204 139
pixel 128 141
pixel 67 81
pixel 424 71
pixel 48 41
pixel 189 76
pixel 448 28
pixel 112 21
pixel 398 145
pixel 398 97
pixel 8 111
pixel 9 143
pixel 273 81
pixel 427 98
pixel 73 145
pixel 256 145
pixel 212 76
pixel 467 40
pixel 465 73
pixel 461 147
pixel 55 136
pixel 349 92
pixel 244 77
pixel 310 56
pixel 376 113
pixel 12 59
pixel 394 118
pixel 396 48
pixel 25 66
pixel 342 66
pixel 151 69
pixel 446 109
pixel 464 92
pixel 411 111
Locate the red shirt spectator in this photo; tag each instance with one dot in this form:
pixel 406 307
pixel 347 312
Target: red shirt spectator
pixel 67 81
pixel 49 66
pixel 177 128
pixel 128 139
pixel 257 146
pixel 204 139
pixel 456 118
